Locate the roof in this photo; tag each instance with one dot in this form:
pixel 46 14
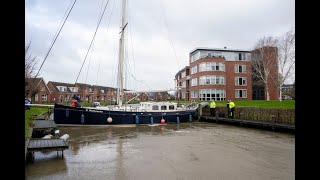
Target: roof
pixel 36 80
pixel 219 49
pixel 84 86
pixel 181 71
pixel 55 84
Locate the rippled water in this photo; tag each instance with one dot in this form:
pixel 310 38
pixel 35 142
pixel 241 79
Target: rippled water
pixel 172 151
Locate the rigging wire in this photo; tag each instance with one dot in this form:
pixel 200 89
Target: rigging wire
pixel 91 52
pixel 106 39
pixel 130 35
pixel 170 37
pixel 92 41
pixel 54 40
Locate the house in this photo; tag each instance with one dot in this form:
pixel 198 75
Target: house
pixel 62 92
pixel 37 90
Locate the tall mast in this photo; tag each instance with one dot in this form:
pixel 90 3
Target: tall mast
pixel 120 92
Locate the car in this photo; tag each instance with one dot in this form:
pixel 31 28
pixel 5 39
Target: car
pixel 286 97
pixel 26 102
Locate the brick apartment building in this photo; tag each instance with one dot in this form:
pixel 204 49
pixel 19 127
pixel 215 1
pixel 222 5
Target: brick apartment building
pixel 218 74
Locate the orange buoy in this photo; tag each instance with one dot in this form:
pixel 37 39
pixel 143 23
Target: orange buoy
pixel 109 119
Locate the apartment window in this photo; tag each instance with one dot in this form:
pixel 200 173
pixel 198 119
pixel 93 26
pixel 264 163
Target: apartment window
pixel 183 95
pixel 213 80
pixel 36 97
pixel 240 68
pixel 194 94
pixel 211 66
pixel 183 84
pixel 212 94
pixel 240 81
pixel 194 82
pixel 194 69
pixel 241 93
pixel 44 97
pixel 183 74
pixel 242 56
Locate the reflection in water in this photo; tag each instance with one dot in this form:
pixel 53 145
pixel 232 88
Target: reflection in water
pixel 170 151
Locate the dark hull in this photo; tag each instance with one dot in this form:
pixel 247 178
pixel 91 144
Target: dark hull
pixel 71 115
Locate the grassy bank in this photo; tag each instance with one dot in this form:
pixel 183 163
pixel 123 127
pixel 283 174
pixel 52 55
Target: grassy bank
pixel 238 103
pixel 34 111
pixel 254 103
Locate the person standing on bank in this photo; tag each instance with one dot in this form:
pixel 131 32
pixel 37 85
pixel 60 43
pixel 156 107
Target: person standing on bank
pixel 231 106
pixel 212 108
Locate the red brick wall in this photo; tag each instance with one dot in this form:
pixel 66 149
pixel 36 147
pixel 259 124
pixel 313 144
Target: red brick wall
pixel 46 91
pixel 229 75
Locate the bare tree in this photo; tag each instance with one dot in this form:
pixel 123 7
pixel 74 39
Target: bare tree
pixel 30 68
pixel 286 57
pixel 263 62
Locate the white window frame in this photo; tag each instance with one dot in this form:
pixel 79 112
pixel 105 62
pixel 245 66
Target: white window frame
pixel 194 94
pixel 243 68
pixel 194 82
pixel 36 97
pixel 194 69
pixel 43 88
pixel 183 74
pixel 44 97
pixel 243 83
pixel 183 84
pixel 237 93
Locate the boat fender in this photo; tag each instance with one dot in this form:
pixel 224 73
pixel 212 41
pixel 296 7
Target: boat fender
pixel 162 121
pixel 109 119
pixel 65 137
pixel 151 120
pixel 49 136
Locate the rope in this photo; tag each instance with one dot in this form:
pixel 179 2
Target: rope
pixel 54 40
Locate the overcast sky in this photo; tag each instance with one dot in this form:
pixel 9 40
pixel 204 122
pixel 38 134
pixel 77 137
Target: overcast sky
pixel 160 36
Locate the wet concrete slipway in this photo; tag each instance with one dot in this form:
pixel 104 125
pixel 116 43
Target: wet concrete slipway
pixel 173 151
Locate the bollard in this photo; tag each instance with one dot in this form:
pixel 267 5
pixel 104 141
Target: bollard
pixel 137 119
pixel 178 120
pixel 151 120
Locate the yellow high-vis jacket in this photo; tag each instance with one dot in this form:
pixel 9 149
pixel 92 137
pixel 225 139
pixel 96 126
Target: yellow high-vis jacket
pixel 231 105
pixel 212 104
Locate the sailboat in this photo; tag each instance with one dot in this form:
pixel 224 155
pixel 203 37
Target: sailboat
pixel 143 113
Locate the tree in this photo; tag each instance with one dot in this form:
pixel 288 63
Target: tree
pixel 286 57
pixel 30 68
pixel 263 62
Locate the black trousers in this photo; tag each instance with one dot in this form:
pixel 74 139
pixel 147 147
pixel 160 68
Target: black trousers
pixel 231 113
pixel 213 111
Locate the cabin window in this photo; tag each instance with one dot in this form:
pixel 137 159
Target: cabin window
pixel 155 107
pixel 171 107
pixel 163 107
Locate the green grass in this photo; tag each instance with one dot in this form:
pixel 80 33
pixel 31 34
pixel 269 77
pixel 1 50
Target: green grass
pixel 28 117
pixel 261 103
pixel 252 103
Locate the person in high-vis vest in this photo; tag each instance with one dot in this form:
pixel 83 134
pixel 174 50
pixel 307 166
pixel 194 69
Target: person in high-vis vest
pixel 212 108
pixel 230 106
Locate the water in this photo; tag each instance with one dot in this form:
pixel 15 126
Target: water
pixel 172 151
